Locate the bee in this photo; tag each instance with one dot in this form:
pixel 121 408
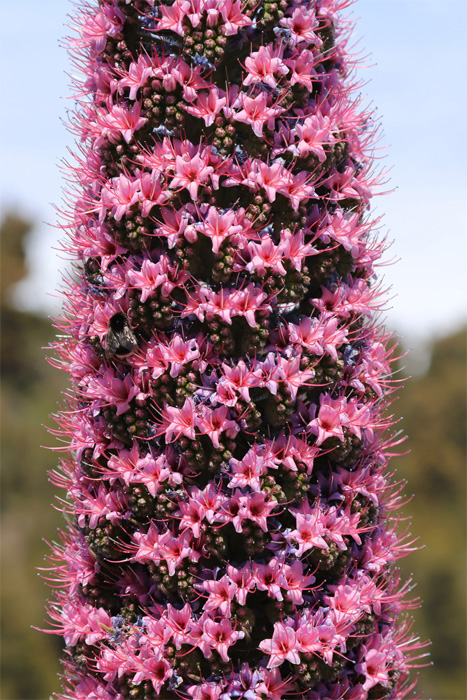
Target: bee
pixel 120 341
pixel 202 61
pixel 284 35
pixel 94 277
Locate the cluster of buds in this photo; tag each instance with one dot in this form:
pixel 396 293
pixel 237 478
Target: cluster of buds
pixel 229 503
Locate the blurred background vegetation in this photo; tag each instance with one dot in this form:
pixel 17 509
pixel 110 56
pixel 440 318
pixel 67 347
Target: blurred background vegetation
pixel 434 408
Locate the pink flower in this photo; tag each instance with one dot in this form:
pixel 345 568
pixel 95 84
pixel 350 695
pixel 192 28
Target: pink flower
pixel 333 336
pixel 303 70
pixel 205 691
pixel 111 389
pixel 310 528
pixel 84 622
pixel 298 188
pixel 220 636
pixel 215 422
pixel 330 421
pixel 240 379
pixel 247 301
pixel 123 121
pixel 293 376
pixel 221 594
pixel 175 223
pixel 248 470
pixel 233 17
pixel 282 647
pixel 175 549
pixel 312 134
pixel 301 25
pixel 269 577
pixel 192 514
pixel 151 277
pixel 190 173
pixel 345 604
pixel 211 500
pixel 155 670
pixel 194 11
pixel 295 249
pixel 273 686
pixel 262 65
pixel 256 113
pixel 307 334
pixel 179 622
pixel 265 255
pixel 180 352
pixel 219 226
pixel 258 508
pixel 343 185
pixel 114 663
pixel 244 579
pixel 119 195
pixel 269 373
pixel 137 76
pixel 234 511
pixel 295 581
pixel 152 193
pixel 272 178
pixel 207 106
pixel 148 545
pixel 345 230
pixel 154 472
pixel 96 27
pixel 171 17
pixel 178 421
pixel 374 666
pixel 190 79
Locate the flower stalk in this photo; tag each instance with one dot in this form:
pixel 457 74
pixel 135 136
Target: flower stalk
pixel 230 511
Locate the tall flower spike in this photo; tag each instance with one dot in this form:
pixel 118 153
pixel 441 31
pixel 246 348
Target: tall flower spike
pixel 230 528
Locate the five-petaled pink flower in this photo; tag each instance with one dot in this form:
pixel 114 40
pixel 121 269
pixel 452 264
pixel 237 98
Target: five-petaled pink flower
pixel 256 112
pixel 122 120
pixel 191 173
pixel 262 65
pixel 282 647
pixel 220 636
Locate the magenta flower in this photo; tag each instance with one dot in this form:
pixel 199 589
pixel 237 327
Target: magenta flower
pixel 330 420
pixel 302 24
pixel 281 647
pixel 232 523
pixel 263 64
pixel 122 121
pixel 257 113
pixel 219 636
pixel 221 594
pixel 208 105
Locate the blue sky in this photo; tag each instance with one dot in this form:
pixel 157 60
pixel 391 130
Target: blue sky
pixel 416 76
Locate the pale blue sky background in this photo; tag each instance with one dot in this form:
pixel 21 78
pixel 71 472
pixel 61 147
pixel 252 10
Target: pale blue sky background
pixel 418 76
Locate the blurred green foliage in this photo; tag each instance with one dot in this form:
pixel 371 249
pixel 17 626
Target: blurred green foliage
pixel 434 410
pixel 30 391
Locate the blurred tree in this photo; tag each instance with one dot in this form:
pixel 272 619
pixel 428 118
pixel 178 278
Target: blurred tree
pixel 434 410
pixel 13 233
pixel 29 391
